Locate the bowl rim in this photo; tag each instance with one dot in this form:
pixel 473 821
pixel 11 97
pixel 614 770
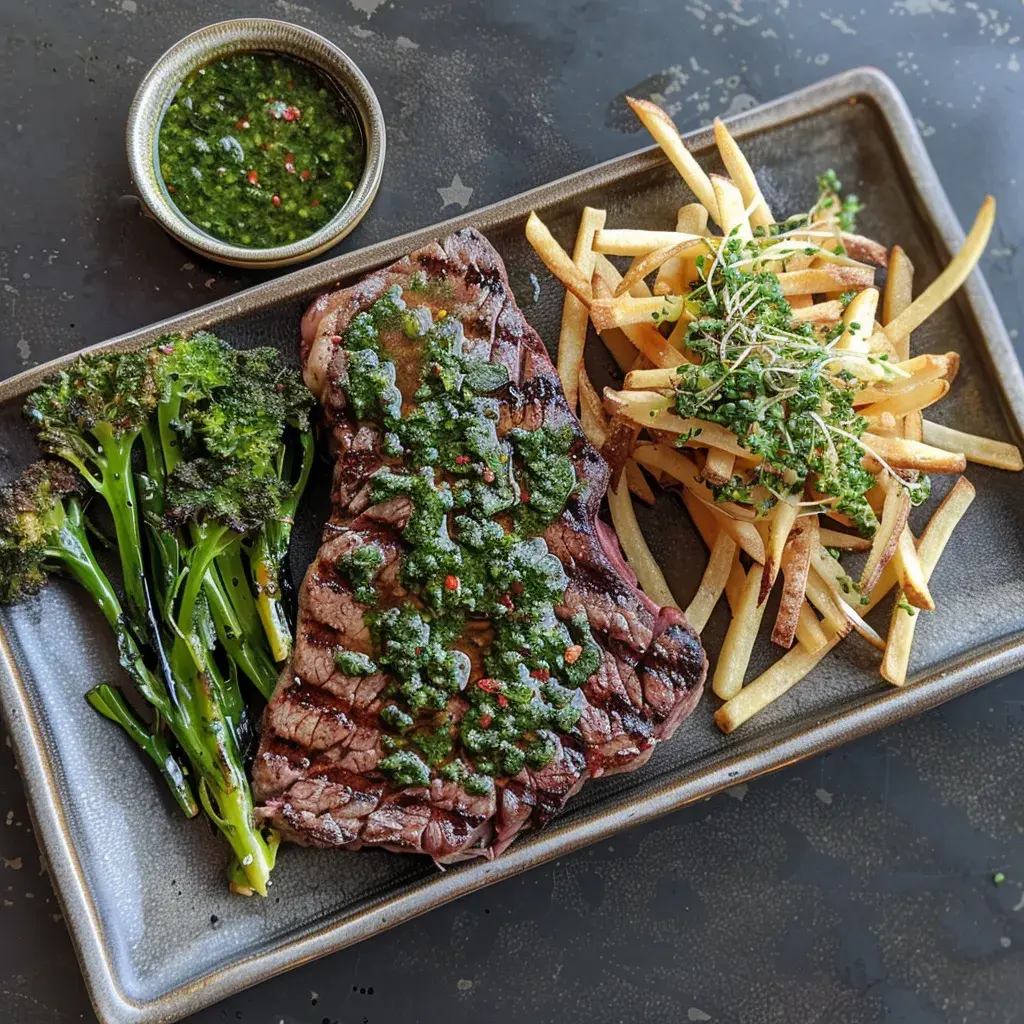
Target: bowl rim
pixel 235 35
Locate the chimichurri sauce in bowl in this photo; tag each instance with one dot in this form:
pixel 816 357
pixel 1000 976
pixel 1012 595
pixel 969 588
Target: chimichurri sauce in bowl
pixel 259 149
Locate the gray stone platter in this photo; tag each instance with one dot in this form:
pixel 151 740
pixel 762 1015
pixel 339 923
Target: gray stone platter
pixel 143 892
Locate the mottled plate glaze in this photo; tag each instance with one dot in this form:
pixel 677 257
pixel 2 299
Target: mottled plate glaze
pixel 138 884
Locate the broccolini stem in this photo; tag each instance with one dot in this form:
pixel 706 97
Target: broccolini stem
pixel 111 704
pixel 225 793
pixel 267 573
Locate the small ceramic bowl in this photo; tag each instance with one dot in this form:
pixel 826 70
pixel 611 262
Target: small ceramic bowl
pixel 247 35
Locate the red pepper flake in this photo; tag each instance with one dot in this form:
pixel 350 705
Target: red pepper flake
pixel 524 495
pixel 542 674
pixel 485 721
pixel 461 460
pixel 167 350
pixel 488 685
pixel 572 654
pixel 242 123
pixel 291 85
pixel 502 700
pixel 289 162
pixel 253 178
pixel 451 582
pixel 276 200
pixel 506 600
pixel 291 113
pixel 335 339
pixel 315 202
pixel 488 475
pixel 171 188
pixel 304 174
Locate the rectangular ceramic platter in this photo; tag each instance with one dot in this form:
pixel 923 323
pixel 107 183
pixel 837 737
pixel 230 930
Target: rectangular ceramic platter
pixel 138 883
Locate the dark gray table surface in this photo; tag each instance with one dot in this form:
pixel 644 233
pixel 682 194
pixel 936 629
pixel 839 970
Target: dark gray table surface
pixel 857 887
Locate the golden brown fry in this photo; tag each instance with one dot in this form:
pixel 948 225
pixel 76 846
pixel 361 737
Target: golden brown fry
pixel 634 547
pixel 638 485
pixel 883 545
pixel 718 468
pixel 653 411
pixel 843 541
pixel 644 337
pixel 644 265
pixel 936 534
pixel 592 414
pixel 982 450
pixel 665 133
pixel 911 400
pixel 808 311
pixel 739 639
pixel 796 564
pixel 639 242
pixel 911 573
pixel 739 170
pixel 899 293
pixel 823 598
pixel 859 248
pixel 910 374
pixel 732 216
pixel 625 310
pixel 809 633
pixel 779 526
pixel 556 259
pixel 573 333
pixel 900 453
pixel 825 279
pixel 944 286
pixel 712 583
pixel 675 276
pixel 912 429
pixel 648 380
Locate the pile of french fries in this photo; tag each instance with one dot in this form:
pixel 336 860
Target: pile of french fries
pixel 642 317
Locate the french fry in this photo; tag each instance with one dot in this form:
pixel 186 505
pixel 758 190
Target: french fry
pixel 936 535
pixel 809 633
pixel 843 591
pixel 796 564
pixel 982 450
pixel 620 347
pixel 653 411
pixel 883 545
pixel 675 275
pixel 592 415
pixel 861 249
pixel 665 133
pixel 910 374
pixel 789 670
pixel 573 333
pixel 739 639
pixel 639 242
pixel 625 310
pixel 912 427
pixel 644 337
pixel 899 293
pixel 779 526
pixel 712 583
pixel 646 380
pixel 858 321
pixel 901 453
pixel 843 541
pixel 556 259
pixel 911 573
pixel 732 215
pixel 815 312
pixel 954 275
pixel 740 172
pixel 822 598
pixel 718 467
pixel 905 402
pixel 825 279
pixel 637 482
pixel 652 261
pixel 634 547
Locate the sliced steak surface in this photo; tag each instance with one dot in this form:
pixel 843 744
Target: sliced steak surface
pixel 316 774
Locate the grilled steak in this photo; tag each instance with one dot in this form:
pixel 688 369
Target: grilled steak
pixel 319 774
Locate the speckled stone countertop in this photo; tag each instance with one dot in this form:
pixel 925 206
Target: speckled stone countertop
pixel 854 888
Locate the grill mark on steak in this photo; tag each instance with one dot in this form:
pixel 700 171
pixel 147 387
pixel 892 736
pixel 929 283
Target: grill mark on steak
pixel 314 777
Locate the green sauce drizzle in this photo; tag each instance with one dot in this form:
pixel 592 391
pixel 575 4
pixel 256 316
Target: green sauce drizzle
pixel 472 549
